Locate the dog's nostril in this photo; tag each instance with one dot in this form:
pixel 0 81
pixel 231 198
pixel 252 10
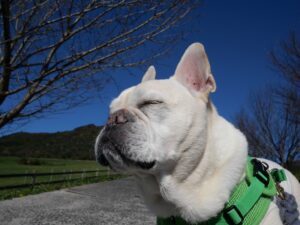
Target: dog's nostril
pixel 119 117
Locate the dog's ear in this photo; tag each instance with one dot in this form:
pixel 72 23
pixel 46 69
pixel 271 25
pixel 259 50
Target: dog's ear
pixel 193 71
pixel 150 74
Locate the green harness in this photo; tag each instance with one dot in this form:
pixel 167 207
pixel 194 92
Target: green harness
pixel 249 200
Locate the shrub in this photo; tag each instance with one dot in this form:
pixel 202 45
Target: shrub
pixel 31 161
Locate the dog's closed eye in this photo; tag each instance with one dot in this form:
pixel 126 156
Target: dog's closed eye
pixel 149 102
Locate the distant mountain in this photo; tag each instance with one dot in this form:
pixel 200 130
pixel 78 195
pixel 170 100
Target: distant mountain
pixel 75 144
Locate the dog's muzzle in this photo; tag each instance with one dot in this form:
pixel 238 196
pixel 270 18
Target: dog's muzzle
pixel 115 140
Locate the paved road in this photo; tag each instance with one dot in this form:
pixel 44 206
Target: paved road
pixel 108 203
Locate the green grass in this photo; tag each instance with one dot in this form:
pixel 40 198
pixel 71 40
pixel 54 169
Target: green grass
pixel 11 165
pixel 14 193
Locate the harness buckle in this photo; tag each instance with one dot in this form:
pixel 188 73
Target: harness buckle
pixel 260 171
pixel 233 215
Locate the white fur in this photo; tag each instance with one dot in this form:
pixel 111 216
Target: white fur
pixel 200 156
pixel 150 74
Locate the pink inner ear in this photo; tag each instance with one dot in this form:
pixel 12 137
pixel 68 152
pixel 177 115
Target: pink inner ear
pixel 193 70
pixel 194 82
pixel 190 72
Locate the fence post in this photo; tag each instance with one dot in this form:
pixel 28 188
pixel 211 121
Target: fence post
pixel 70 176
pixel 82 171
pixel 51 175
pixel 33 179
pixel 25 178
pixel 65 176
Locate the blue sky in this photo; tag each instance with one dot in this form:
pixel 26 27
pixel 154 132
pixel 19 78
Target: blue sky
pixel 237 35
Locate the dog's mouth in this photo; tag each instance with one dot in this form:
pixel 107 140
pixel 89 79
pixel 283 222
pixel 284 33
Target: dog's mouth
pixel 111 155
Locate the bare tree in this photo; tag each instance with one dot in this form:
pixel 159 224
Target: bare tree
pixel 287 62
pixel 271 124
pixel 270 130
pixel 53 51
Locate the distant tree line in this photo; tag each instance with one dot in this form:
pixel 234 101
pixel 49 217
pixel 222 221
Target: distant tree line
pixel 75 144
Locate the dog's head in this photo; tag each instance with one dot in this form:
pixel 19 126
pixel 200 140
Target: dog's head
pixel 153 124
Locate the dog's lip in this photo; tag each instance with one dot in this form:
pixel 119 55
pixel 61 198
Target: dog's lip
pixel 103 160
pixel 146 165
pixel 141 164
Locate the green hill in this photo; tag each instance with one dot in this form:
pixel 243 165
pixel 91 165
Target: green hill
pixel 75 144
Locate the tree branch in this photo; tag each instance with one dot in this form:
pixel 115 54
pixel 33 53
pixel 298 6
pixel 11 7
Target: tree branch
pixel 6 74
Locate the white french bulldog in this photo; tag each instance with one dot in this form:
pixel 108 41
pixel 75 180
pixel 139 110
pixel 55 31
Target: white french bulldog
pixel 167 133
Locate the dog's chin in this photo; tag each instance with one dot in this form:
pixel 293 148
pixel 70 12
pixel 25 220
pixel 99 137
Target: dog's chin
pixel 114 158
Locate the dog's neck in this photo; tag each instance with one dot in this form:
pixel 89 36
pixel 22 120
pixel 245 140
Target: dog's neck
pixel 201 192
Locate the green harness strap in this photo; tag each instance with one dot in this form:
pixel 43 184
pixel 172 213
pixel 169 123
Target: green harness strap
pixel 249 201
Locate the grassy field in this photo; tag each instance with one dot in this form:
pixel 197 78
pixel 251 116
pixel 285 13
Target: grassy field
pixel 11 165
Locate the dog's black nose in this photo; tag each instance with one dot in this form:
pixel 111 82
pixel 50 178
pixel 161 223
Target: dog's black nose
pixel 120 117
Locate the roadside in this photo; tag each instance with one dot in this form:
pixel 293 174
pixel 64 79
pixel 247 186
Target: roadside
pixel 24 176
pixel 108 203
